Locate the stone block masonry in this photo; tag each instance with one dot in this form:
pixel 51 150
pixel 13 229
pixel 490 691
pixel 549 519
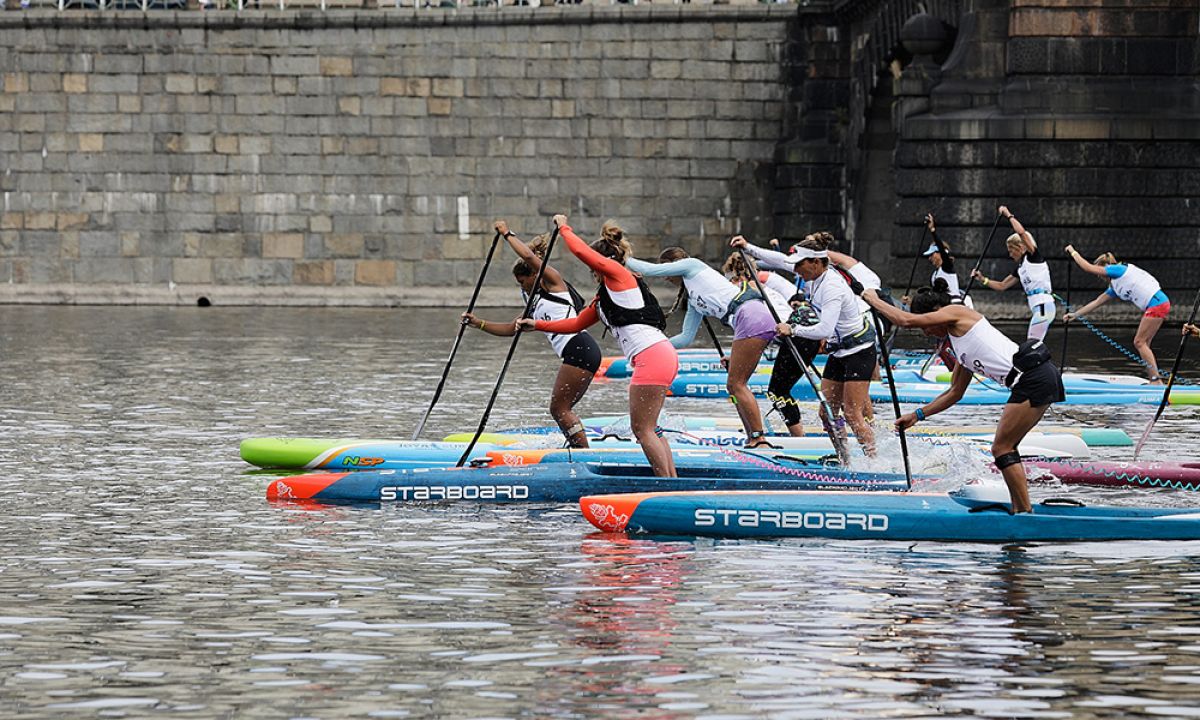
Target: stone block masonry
pixel 320 158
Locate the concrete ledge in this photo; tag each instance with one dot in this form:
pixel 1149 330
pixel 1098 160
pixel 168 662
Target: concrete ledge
pixel 308 19
pixel 227 295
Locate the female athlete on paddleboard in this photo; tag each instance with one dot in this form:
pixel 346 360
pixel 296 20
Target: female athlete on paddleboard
pixel 849 338
pixel 556 300
pixel 627 307
pixel 1132 284
pixel 979 347
pixel 1032 272
pixel 708 294
pixel 942 261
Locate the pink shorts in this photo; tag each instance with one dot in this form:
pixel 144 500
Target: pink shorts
pixel 656 365
pixel 1160 310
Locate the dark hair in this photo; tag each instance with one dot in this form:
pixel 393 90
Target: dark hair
pixel 612 243
pixel 522 269
pixel 818 242
pixel 928 299
pixel 670 254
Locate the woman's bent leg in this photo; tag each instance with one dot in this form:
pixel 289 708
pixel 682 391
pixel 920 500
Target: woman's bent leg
pixel 744 355
pixel 1146 331
pixel 1016 421
pixel 856 401
pixel 645 404
pixel 570 385
pixel 785 373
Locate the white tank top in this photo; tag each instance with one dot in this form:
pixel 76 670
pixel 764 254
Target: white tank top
pixel 1136 286
pixel 950 278
pixel 632 338
pixel 544 309
pixel 985 350
pixel 1035 281
pixel 710 293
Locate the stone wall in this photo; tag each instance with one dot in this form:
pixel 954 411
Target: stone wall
pixel 1083 116
pixel 361 156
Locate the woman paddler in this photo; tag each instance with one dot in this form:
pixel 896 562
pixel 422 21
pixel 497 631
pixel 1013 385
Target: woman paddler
pixel 1132 284
pixel 942 261
pixel 849 338
pixel 627 307
pixel 708 294
pixel 1032 272
pixel 979 347
pixel 555 300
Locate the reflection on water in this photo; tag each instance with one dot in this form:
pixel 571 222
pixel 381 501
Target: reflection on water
pixel 144 574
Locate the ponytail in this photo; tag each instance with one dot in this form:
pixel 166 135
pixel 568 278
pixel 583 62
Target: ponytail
pixel 537 246
pixel 670 254
pixel 1106 259
pixel 612 243
pixel 928 299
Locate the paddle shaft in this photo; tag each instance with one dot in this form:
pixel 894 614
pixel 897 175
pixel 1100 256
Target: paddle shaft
pixel 839 442
pixel 537 284
pixel 462 326
pixel 1062 361
pixel 712 334
pixel 887 364
pixel 982 255
pixel 920 249
pixel 1162 405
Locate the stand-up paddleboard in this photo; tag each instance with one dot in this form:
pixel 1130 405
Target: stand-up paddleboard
pixel 350 453
pixel 939 517
pixel 708 361
pixel 713 386
pixel 1055 446
pixel 1171 475
pixel 1093 437
pixel 551 482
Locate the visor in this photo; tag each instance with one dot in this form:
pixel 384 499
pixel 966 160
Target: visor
pixel 930 250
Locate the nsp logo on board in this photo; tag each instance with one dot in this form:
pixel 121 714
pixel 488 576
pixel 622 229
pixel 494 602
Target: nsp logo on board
pixel 355 461
pixel 790 520
pixel 454 492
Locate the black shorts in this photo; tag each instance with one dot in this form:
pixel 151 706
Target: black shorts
pixel 852 367
pixel 1040 386
pixel 583 352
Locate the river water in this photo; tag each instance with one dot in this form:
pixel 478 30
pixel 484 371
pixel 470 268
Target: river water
pixel 145 575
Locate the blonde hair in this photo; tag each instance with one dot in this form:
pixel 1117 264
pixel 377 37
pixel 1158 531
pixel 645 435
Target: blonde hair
pixel 1015 240
pixel 612 243
pixel 1106 259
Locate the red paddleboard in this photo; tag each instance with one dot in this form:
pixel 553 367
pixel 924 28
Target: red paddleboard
pixel 1173 475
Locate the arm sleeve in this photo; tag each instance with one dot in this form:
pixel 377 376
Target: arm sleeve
pixel 686 267
pixel 687 334
pixel 582 321
pixel 830 312
pixel 1109 292
pixel 770 258
pixel 1115 271
pixel 947 258
pixel 616 277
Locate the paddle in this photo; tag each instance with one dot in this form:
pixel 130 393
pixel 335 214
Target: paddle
pixel 537 283
pixel 920 249
pixel 1170 381
pixel 982 255
pixel 461 327
pixel 712 334
pixel 1062 362
pixel 887 363
pixel 839 442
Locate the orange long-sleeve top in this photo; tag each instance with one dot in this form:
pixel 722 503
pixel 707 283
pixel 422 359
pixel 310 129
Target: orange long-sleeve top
pixel 616 277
